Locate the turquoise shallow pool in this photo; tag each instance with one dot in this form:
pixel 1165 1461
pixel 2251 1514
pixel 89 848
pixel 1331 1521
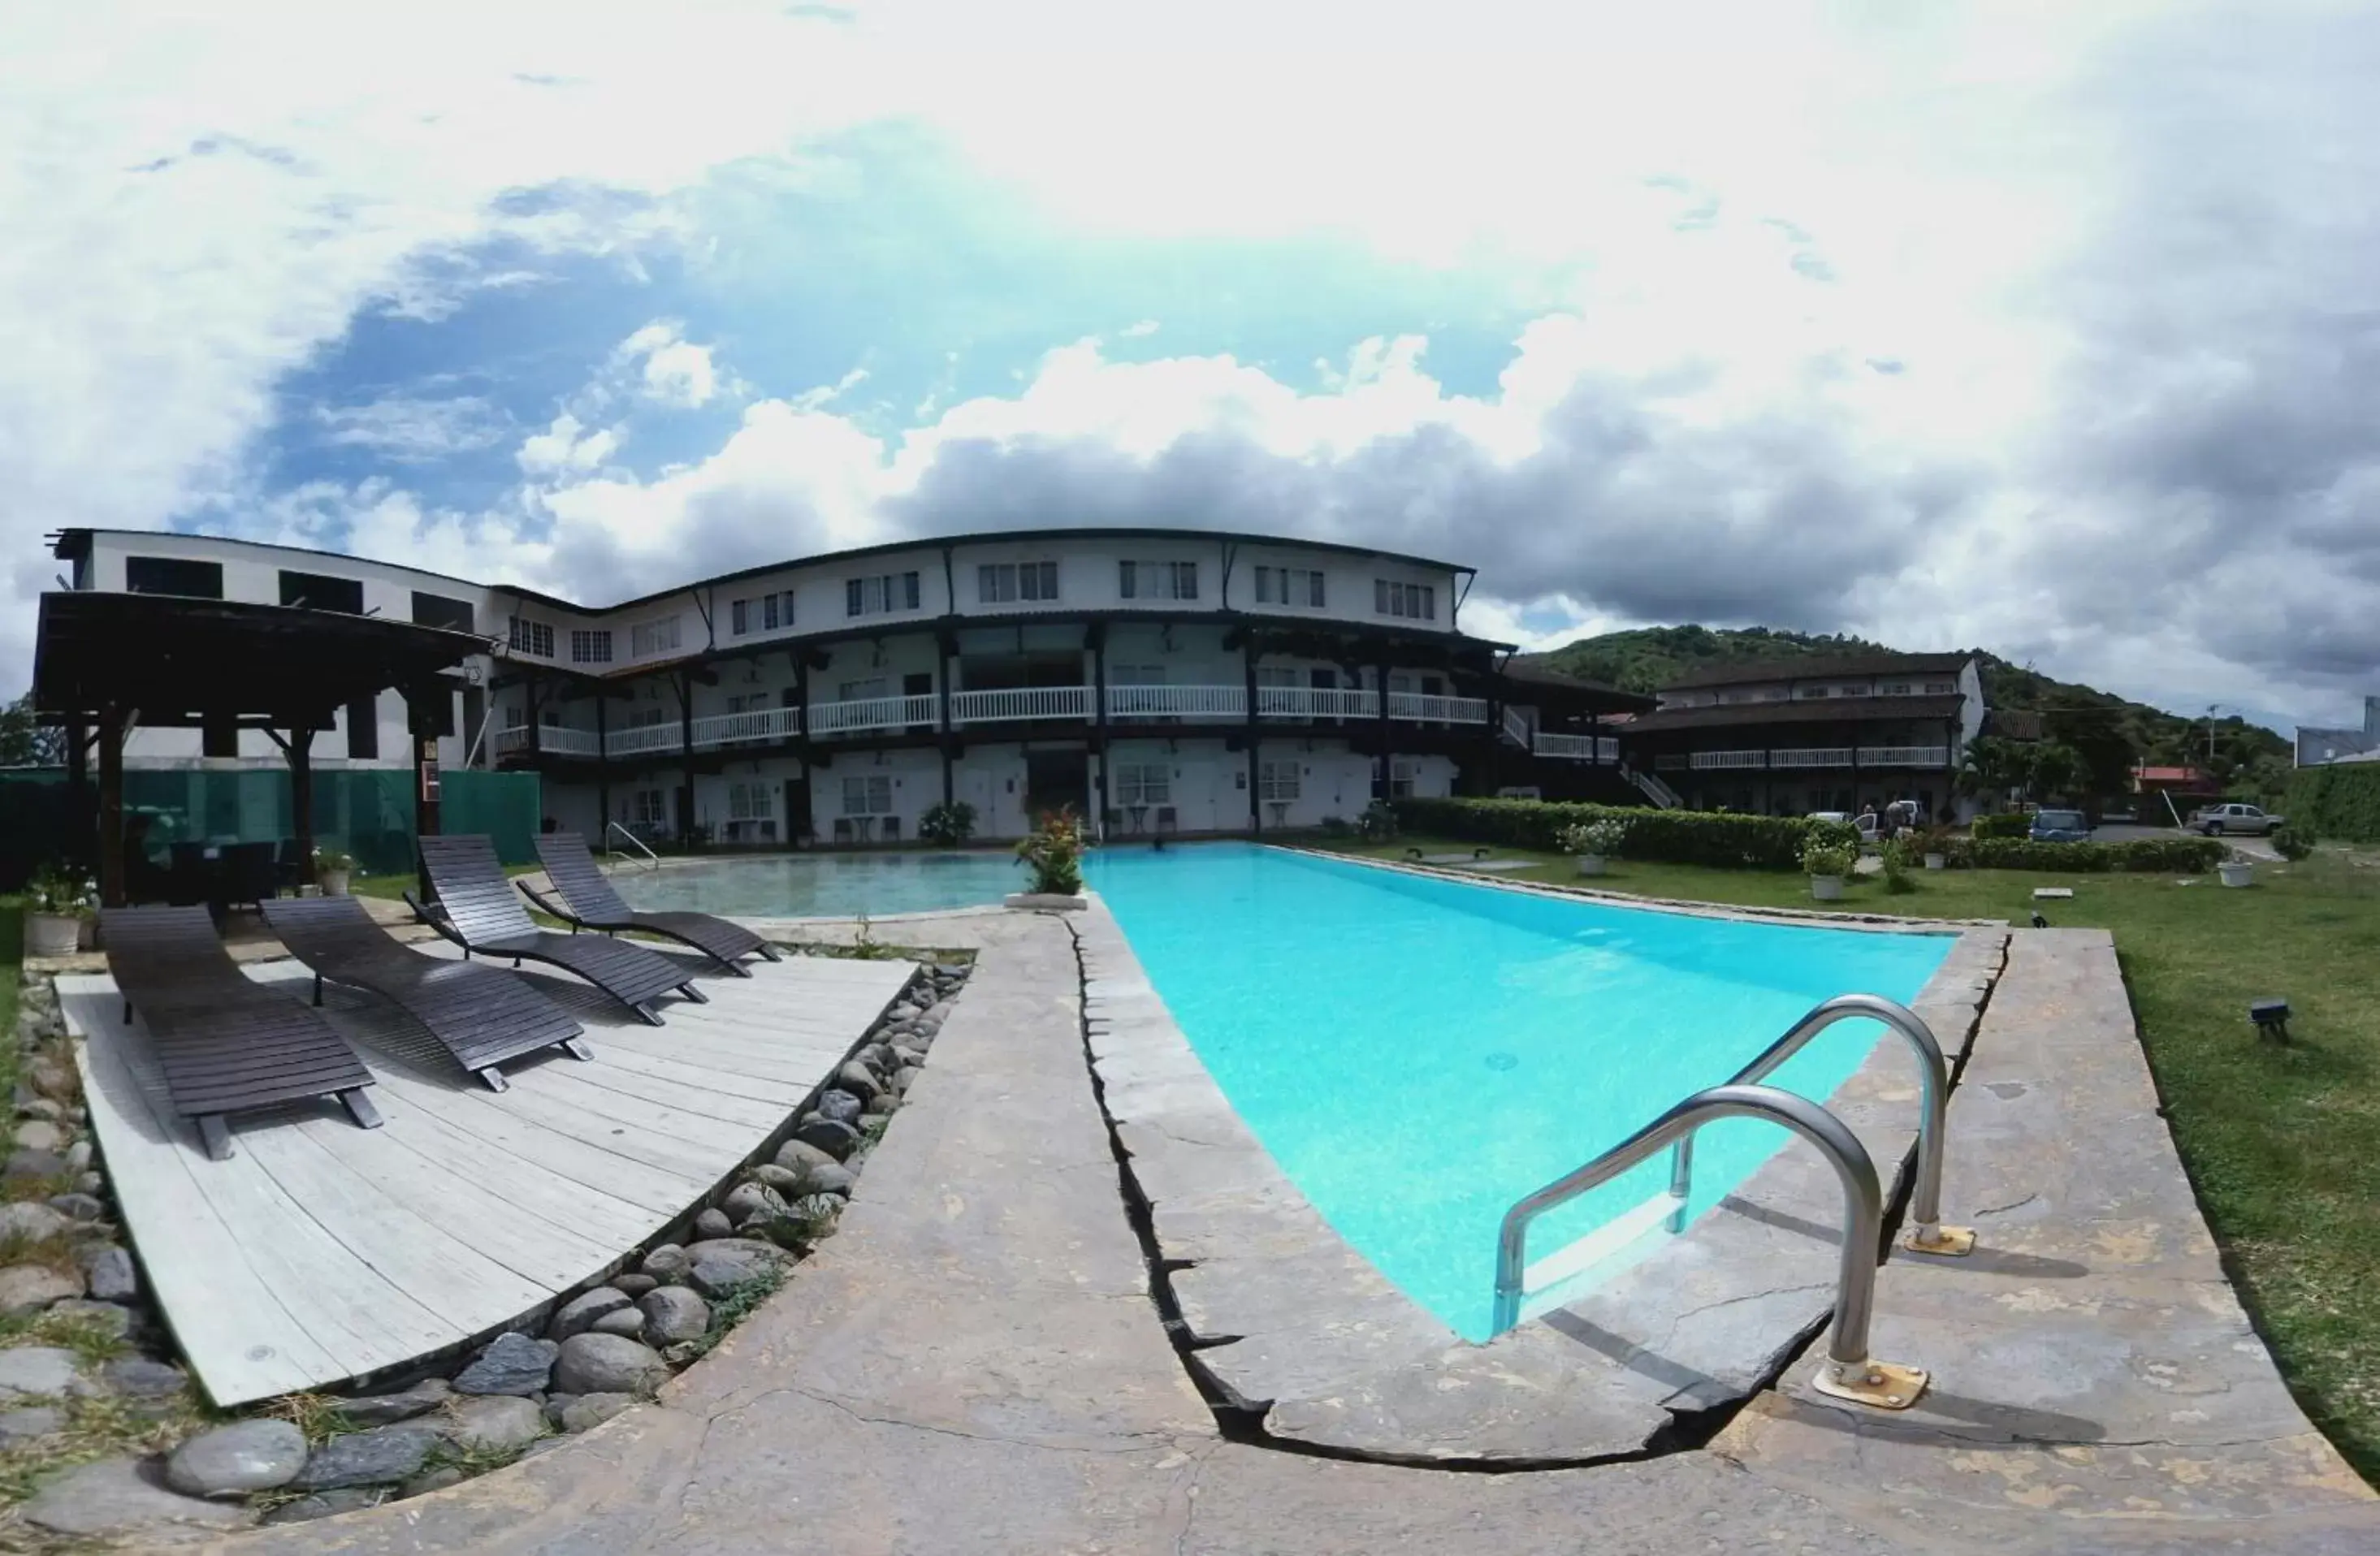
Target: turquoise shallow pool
pixel 1418 1054
pixel 825 885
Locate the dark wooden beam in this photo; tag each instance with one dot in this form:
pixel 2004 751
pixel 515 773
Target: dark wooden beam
pixel 111 807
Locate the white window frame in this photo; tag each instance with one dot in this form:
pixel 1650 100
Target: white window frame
pixel 1138 579
pixel 649 807
pixel 661 636
pixel 868 794
pixel 1413 602
pixel 590 645
pixel 1277 780
pixel 1141 783
pixel 528 636
pixel 1302 588
pixel 874 594
pixel 1941 688
pixel 1008 582
pixel 1402 772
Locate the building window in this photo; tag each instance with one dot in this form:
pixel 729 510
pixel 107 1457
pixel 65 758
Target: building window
pixel 1773 694
pixel 318 591
pixel 437 610
pixel 868 794
pixel 765 614
pixel 1896 688
pixel 1850 691
pixel 880 593
pixel 1400 780
pixel 1290 585
pixel 1941 688
pixel 646 638
pixel 1732 698
pixel 1157 580
pixel 1143 783
pixel 862 691
pixel 363 730
pixel 590 645
pixel 1277 780
pixel 174 575
pixel 1005 583
pixel 1808 693
pixel 649 809
pixel 751 801
pixel 529 637
pixel 1414 601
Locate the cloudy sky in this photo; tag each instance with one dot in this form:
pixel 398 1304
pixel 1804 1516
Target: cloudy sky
pixel 2050 328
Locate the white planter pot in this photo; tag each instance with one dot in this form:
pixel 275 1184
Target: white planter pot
pixel 52 934
pixel 334 883
pixel 2237 873
pixel 1936 862
pixel 1589 863
pixel 1827 888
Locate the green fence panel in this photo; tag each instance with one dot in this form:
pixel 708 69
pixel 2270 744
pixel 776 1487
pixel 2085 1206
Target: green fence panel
pixel 508 807
pixel 36 822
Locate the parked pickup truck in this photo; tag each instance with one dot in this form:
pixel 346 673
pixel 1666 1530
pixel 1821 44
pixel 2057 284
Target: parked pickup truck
pixel 2247 821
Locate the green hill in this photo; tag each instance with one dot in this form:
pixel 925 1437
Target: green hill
pixel 1646 658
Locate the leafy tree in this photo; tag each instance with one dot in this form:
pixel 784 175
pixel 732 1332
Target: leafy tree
pixel 2059 769
pixel 1996 766
pixel 24 743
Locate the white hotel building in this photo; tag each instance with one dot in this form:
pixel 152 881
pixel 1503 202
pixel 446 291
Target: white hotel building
pixel 1156 680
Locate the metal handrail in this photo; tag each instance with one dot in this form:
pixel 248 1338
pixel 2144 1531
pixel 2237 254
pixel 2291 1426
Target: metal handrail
pixel 1850 1370
pixel 1928 1234
pixel 611 827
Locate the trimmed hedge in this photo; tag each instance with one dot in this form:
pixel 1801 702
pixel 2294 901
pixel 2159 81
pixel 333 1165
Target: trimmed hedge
pixel 1720 839
pixel 2183 856
pixel 2015 824
pixel 2337 801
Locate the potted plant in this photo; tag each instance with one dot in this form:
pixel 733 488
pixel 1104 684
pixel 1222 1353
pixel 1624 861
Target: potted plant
pixel 1826 864
pixel 1589 843
pixel 332 870
pixel 1935 844
pixel 2237 872
pixel 948 824
pixel 57 904
pixel 1053 851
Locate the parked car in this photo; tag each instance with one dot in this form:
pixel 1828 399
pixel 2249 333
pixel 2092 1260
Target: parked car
pixel 2218 821
pixel 2060 826
pixel 1864 825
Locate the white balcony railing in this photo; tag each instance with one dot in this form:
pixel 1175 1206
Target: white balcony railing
pixel 1177 702
pixel 554 737
pixel 1905 755
pixel 1730 759
pixel 873 713
pixel 752 727
pixel 1316 702
pixel 1811 757
pixel 1429 708
pixel 641 738
pixel 1574 748
pixel 1020 702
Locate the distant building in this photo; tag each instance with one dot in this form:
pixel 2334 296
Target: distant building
pixel 2184 788
pixel 1801 735
pixel 2319 747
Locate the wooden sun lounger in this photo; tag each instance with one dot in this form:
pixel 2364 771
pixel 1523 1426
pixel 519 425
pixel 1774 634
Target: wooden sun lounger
pixel 227 1044
pixel 482 1015
pixel 588 901
pixel 476 909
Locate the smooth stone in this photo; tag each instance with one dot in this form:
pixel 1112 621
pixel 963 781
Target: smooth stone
pixel 609 1364
pixel 902 1082
pixel 713 1224
pixel 39 1107
pixel 856 1079
pixel 799 1157
pixel 672 1315
pixel 881 1105
pixel 667 1262
pixel 110 1273
pixel 380 1409
pixel 907 1059
pixel 23 1426
pixel 496 1423
pixel 40 1134
pixel 37 1369
pixel 121 1497
pixel 879 1057
pixel 26 1162
pixel 748 1200
pixel 431 1480
pixel 27 1288
pixel 109 1318
pixel 832 1179
pixel 555 1404
pixel 378 1457
pixel 323 1504
pixel 594 1410
pixel 512 1363
pixel 719 1277
pixel 30 1222
pixel 627 1320
pixel 252 1456
pixel 77 1207
pixel 138 1378
pixel 635 1286
pixel 90 1184
pixel 837 1139
pixel 784 1180
pixel 579 1313
pixel 842 1107
pixel 78 1156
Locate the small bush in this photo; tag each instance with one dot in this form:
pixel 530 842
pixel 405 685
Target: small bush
pixel 1337 826
pixel 1900 854
pixel 1378 823
pixel 2015 824
pixel 1605 837
pixel 1822 857
pixel 1053 851
pixel 2293 842
pixel 2178 856
pixel 947 825
pixel 2340 800
pixel 1725 841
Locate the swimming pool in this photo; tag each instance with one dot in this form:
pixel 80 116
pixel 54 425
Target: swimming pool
pixel 1417 1053
pixel 825 885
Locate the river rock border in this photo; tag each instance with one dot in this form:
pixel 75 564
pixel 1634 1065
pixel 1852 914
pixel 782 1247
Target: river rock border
pixel 1282 1318
pixel 591 1355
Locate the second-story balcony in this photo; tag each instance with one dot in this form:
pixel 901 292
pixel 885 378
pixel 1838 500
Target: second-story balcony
pixel 1775 758
pixel 1188 704
pixel 872 716
pixel 1014 703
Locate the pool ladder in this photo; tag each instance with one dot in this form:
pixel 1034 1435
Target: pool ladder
pixel 1850 1373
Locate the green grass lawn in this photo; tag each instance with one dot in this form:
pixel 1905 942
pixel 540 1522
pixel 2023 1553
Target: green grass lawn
pixel 2282 1143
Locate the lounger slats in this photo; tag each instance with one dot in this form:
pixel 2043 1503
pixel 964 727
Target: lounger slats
pixel 589 896
pixel 478 908
pixel 482 1015
pixel 225 1042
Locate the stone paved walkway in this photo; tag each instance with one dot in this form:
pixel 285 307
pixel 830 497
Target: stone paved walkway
pixel 972 1366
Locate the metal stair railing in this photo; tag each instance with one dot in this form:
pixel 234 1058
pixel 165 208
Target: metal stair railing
pixel 1850 1373
pixel 1928 1235
pixel 639 842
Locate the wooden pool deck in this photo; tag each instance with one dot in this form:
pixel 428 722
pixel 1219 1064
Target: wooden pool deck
pixel 321 1252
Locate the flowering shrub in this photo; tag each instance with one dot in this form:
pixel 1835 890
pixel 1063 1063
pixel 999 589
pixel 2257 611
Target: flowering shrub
pixel 1053 851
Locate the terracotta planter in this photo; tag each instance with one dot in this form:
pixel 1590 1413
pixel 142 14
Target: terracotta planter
pixel 1589 863
pixel 53 934
pixel 1827 888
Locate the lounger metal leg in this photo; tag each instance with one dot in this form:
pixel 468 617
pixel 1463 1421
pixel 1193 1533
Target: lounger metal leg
pixel 645 1014
pixel 215 1135
pixel 770 952
pixel 359 1108
pixel 128 1012
pixel 495 1079
pixel 694 994
pixel 317 988
pixel 576 1048
pixel 734 966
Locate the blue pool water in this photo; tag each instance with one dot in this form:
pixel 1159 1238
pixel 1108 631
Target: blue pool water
pixel 825 886
pixel 1418 1054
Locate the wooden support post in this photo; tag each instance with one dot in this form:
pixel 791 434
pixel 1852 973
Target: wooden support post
pixel 1099 635
pixel 111 807
pixel 421 731
pixel 1387 784
pixel 1255 804
pixel 82 823
pixel 299 750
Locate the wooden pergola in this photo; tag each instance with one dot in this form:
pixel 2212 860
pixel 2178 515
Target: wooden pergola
pixel 105 664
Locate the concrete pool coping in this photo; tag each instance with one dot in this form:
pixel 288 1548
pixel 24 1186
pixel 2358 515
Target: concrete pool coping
pixel 1291 1322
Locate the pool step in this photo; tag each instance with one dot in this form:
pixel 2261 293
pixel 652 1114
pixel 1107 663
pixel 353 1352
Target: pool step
pixel 1547 1281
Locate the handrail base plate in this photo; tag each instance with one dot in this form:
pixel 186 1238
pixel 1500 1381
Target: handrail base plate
pixel 1947 1242
pixel 1881 1385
